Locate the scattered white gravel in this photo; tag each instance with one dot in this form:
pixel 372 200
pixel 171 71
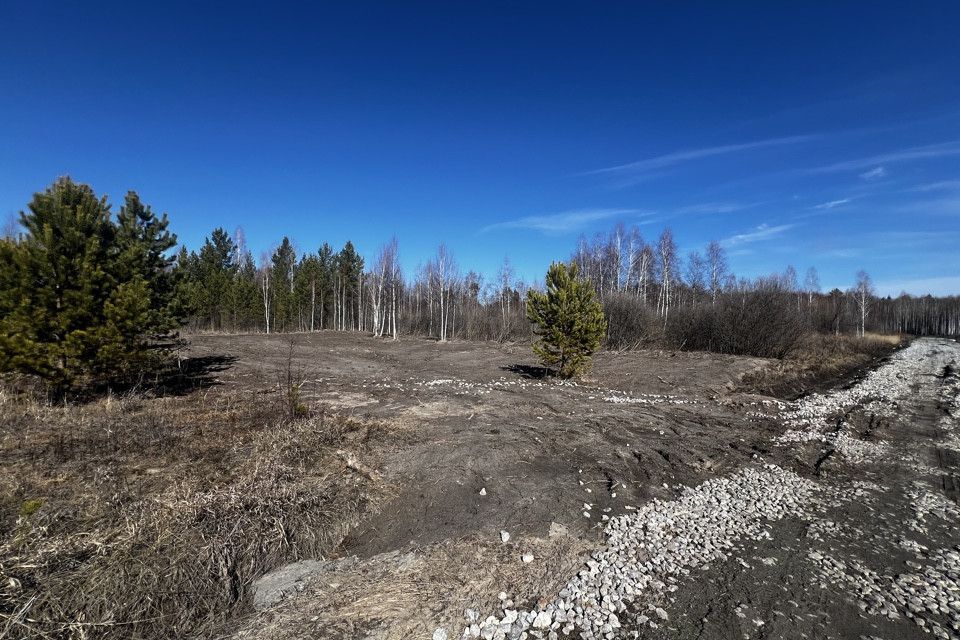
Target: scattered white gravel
pixel 926 503
pixel 933 590
pixel 620 397
pixel 657 545
pixel 819 417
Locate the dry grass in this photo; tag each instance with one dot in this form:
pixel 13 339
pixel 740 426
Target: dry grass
pixel 395 596
pixel 151 518
pixel 821 360
pixel 889 338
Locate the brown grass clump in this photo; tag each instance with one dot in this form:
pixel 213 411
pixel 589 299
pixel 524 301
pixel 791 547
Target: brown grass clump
pixel 151 518
pixel 820 361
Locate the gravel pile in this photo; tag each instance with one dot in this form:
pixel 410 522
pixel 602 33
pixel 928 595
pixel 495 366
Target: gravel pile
pixel 854 449
pixel 649 550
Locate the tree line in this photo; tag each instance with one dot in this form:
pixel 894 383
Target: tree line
pixel 78 283
pixel 650 293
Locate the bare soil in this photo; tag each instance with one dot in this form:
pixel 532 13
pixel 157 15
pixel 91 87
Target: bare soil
pixel 479 416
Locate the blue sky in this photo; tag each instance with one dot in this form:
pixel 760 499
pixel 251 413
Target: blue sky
pixel 823 134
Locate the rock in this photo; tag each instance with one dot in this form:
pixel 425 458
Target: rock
pixel 273 587
pixel 483 491
pixel 542 621
pixel 504 536
pixel 440 634
pixel 527 557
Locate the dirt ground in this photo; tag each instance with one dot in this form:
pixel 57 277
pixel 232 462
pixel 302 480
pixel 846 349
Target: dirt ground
pixel 480 417
pixel 491 446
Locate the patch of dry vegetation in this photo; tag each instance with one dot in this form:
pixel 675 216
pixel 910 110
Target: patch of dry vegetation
pixel 397 595
pixel 820 361
pixel 150 518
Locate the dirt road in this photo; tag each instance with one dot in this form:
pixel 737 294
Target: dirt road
pixel 652 501
pixel 875 551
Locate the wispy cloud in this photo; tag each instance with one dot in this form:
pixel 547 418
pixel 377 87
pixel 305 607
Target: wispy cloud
pixel 710 207
pixel 761 232
pixel 831 204
pixel 874 174
pixel 940 150
pixel 641 167
pixel 899 239
pixel 564 222
pixel 841 253
pixel 936 206
pixel 943 185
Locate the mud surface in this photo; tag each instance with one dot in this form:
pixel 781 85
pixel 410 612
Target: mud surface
pixel 572 470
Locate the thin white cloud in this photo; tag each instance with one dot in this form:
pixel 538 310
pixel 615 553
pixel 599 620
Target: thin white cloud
pixel 762 232
pixel 874 174
pixel 831 204
pixel 937 206
pixel 943 185
pixel 940 150
pixel 709 207
pixel 842 253
pixel 936 286
pixel 678 157
pixel 564 222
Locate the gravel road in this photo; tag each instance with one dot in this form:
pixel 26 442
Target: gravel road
pixel 860 539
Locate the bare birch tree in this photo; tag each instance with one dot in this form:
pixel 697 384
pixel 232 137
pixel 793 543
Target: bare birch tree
pixel 863 294
pixel 505 296
pixel 717 266
pixel 266 266
pixel 381 276
pixel 444 274
pixel 811 284
pixel 667 264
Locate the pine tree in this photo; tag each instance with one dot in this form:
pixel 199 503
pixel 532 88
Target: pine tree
pixel 143 245
pixel 83 299
pixel 568 321
pixel 348 272
pixel 283 265
pixel 216 265
pixel 61 282
pixel 327 263
pixel 129 322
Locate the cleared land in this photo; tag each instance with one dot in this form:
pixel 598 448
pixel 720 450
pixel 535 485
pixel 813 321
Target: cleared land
pixel 701 509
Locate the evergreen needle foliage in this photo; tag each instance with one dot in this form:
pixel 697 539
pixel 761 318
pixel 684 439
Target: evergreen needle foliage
pixel 85 298
pixel 568 321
